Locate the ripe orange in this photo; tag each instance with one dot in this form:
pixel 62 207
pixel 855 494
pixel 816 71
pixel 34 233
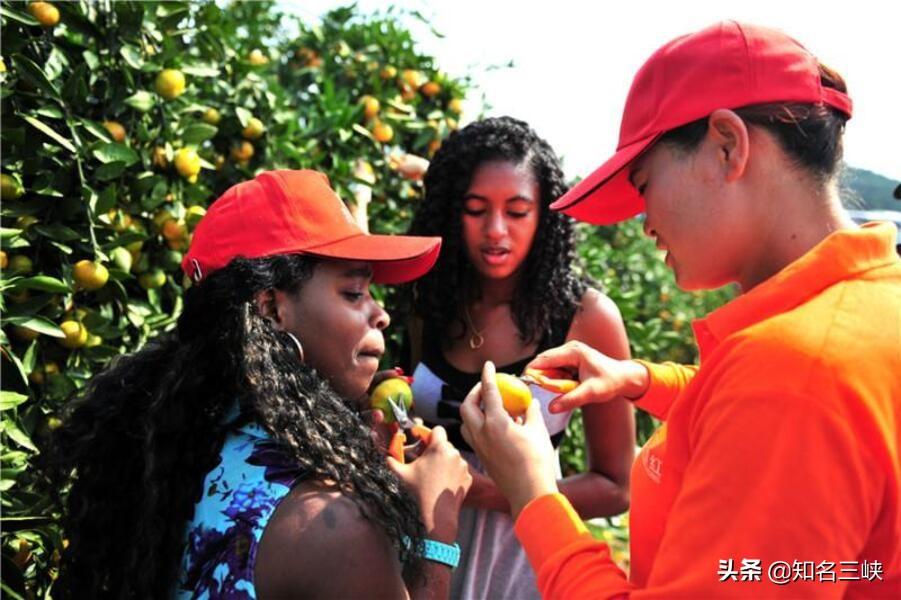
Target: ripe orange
pixel 211 116
pixel 116 130
pixel 4 260
pixel 430 89
pixel 396 389
pixel 89 275
pixel 383 132
pixel 412 78
pixel 515 394
pixel 160 159
pixel 76 335
pixel 370 106
pixel 388 72
pixel 254 129
pixel 455 106
pixel 173 230
pixel 242 152
pixel 187 163
pixel 45 13
pixel 257 58
pixel 170 83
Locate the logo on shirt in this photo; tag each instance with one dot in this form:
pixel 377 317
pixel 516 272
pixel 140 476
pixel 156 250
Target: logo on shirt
pixel 652 454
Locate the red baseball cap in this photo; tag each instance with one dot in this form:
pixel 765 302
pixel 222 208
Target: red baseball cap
pixel 297 212
pixel 728 65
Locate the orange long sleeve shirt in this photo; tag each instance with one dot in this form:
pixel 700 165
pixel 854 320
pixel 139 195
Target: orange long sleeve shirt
pixel 777 471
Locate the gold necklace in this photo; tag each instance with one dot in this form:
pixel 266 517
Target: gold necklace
pixel 475 340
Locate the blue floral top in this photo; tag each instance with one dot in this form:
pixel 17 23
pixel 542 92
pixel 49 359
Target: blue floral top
pixel 240 495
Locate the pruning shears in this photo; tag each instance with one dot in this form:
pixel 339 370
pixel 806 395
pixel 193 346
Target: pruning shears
pixel 558 381
pixel 405 425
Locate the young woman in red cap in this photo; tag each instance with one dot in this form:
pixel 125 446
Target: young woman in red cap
pixel 777 472
pixel 229 457
pixel 504 290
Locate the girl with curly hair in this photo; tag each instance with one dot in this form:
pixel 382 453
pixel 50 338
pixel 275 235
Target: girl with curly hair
pixel 503 290
pixel 231 457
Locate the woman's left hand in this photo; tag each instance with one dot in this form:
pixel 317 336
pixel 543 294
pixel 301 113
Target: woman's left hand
pixel 519 457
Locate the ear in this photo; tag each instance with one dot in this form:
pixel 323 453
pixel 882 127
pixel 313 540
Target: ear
pixel 731 139
pixel 267 306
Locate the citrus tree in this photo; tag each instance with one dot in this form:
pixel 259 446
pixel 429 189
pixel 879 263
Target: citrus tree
pixel 122 121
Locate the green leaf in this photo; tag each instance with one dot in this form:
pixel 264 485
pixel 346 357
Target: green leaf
pixel 198 132
pixel 18 436
pixel 10 400
pixel 35 75
pixel 113 152
pixel 244 115
pixel 110 171
pixel 97 130
pixel 132 56
pixel 39 324
pixel 44 283
pixel 7 233
pixel 50 133
pixel 30 358
pixel 17 15
pixel 200 71
pixel 141 101
pixel 57 231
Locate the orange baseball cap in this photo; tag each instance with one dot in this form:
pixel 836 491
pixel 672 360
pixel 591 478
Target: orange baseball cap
pixel 728 65
pixel 297 212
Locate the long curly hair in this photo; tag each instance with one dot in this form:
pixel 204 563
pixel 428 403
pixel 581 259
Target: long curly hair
pixel 146 431
pixel 548 290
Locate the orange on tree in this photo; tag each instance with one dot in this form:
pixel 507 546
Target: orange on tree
pixel 242 152
pixel 39 374
pixel 159 158
pixel 430 89
pixel 116 130
pixel 515 394
pixel 170 83
pixel 4 260
pixel 90 275
pixel 187 163
pixel 2 66
pixel 396 389
pixel 10 188
pixel 370 106
pixel 174 230
pixel 382 131
pixel 122 258
pixel 254 129
pixel 153 279
pixel 257 58
pixel 211 116
pixel 455 106
pixel 413 78
pixel 388 72
pixel 76 335
pixel 20 265
pixel 45 13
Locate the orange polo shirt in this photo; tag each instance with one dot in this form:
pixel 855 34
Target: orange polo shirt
pixel 777 472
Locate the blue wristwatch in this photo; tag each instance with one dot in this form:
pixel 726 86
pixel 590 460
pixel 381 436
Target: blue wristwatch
pixel 445 554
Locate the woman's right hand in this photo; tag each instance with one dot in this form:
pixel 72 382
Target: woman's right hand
pixel 601 378
pixel 439 479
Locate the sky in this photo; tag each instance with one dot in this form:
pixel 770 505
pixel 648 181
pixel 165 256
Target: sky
pixel 574 61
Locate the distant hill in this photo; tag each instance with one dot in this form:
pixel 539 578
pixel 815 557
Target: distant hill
pixel 865 190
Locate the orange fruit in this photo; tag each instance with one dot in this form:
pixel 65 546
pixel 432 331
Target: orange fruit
pixel 396 389
pixel 170 83
pixel 430 89
pixel 152 279
pixel 4 260
pixel 10 189
pixel 76 335
pixel 90 275
pixel 159 158
pixel 173 230
pixel 45 13
pixel 383 132
pixel 20 265
pixel 257 58
pixel 254 129
pixel 242 152
pixel 455 106
pixel 515 394
pixel 388 72
pixel 116 130
pixel 412 78
pixel 370 106
pixel 211 116
pixel 187 163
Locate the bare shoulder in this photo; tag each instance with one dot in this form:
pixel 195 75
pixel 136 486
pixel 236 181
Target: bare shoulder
pixel 599 324
pixel 318 544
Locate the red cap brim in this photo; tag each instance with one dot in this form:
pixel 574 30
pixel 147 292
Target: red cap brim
pixel 606 196
pixel 394 258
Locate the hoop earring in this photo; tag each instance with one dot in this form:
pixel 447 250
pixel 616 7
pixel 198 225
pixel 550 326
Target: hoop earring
pixel 297 345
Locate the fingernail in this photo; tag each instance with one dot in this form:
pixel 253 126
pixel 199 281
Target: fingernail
pixel 398 370
pixel 553 407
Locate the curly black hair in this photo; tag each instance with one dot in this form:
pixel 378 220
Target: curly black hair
pixel 548 290
pixel 147 430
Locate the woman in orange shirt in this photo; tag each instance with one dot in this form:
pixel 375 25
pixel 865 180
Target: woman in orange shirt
pixel 777 471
